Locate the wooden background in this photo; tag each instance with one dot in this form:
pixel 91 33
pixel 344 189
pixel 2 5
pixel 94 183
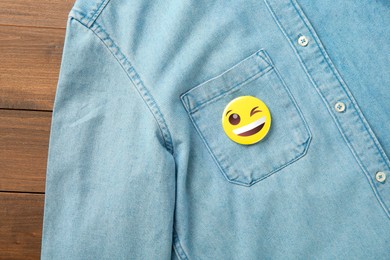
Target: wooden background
pixel 31 40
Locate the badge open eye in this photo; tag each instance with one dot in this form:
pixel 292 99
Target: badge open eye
pixel 254 111
pixel 234 119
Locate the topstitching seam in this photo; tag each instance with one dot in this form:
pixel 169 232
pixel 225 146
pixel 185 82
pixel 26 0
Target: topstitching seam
pixel 133 76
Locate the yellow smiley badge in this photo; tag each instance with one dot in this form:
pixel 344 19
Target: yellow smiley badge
pixel 246 120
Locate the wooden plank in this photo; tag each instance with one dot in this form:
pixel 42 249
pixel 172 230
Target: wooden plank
pixel 42 13
pixel 29 66
pixel 24 138
pixel 21 217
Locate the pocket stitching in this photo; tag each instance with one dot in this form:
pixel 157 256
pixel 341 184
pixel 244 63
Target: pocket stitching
pixel 305 143
pixel 300 155
pixel 232 89
pixel 263 55
pixel 260 53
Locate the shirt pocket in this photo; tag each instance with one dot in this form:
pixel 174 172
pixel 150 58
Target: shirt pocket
pixel 287 140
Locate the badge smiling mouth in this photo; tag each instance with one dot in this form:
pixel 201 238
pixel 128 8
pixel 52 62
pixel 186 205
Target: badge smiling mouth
pixel 250 129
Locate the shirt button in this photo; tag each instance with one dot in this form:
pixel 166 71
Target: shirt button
pixel 303 41
pixel 380 176
pixel 340 107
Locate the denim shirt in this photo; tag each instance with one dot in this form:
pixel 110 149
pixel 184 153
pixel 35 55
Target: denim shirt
pixel 139 164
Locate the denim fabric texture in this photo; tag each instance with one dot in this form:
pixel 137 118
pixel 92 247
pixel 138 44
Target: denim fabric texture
pixel 139 165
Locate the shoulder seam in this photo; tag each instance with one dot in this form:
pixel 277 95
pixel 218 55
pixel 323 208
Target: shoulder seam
pixel 88 19
pixel 134 77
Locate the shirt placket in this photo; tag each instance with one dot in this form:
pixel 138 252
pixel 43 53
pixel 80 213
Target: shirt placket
pixel 335 94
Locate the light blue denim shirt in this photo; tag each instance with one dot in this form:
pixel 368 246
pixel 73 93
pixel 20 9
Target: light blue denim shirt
pixel 139 164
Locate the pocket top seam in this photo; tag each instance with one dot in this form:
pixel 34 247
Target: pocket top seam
pixel 251 66
pixel 222 93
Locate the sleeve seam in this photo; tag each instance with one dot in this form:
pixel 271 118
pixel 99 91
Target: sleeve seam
pixel 134 77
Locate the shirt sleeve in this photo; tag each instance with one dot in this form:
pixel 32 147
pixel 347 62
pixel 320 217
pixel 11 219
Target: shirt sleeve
pixel 110 185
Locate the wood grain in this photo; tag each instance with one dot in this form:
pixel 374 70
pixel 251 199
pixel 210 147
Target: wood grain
pixel 24 137
pixel 21 218
pixel 39 13
pixel 29 67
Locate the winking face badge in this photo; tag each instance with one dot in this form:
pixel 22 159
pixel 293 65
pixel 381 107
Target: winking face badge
pixel 246 120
